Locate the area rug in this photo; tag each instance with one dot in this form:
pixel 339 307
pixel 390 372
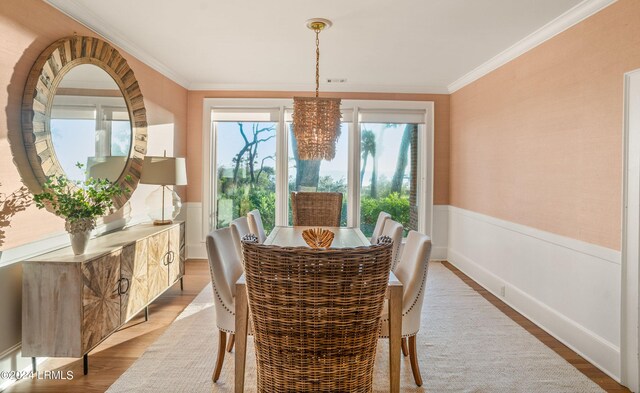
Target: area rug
pixel 465 345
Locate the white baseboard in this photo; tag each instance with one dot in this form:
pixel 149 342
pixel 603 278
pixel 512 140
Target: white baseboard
pixel 567 287
pixel 439 253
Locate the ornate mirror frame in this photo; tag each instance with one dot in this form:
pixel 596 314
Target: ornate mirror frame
pixel 42 83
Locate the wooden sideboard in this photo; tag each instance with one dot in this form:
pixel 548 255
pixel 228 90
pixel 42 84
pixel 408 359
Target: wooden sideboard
pixel 71 303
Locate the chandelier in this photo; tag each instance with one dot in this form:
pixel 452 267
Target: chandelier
pixel 316 121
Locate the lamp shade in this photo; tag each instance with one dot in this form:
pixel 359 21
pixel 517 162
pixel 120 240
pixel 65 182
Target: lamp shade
pixel 164 171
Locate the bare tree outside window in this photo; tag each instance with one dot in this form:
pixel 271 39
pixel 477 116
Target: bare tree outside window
pixel 246 171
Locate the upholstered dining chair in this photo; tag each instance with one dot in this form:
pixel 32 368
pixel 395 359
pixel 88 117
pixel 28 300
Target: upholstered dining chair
pixel 412 273
pixel 239 228
pixel 255 225
pixel 316 315
pixel 225 266
pixel 377 230
pixel 322 209
pixel 393 229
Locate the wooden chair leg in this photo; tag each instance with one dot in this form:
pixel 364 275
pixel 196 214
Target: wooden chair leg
pixel 222 343
pixel 232 340
pixel 405 349
pixel 413 356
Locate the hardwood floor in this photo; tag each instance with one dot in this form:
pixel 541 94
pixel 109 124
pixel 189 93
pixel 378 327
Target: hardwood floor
pixel 118 352
pixel 112 358
pixel 592 372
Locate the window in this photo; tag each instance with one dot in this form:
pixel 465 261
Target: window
pixel 383 162
pixel 388 174
pixel 116 124
pixel 98 129
pixel 245 162
pixel 82 133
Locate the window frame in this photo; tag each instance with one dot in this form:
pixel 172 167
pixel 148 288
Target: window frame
pixel 351 113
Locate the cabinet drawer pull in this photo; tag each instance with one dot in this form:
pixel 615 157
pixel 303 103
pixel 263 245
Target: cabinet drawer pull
pixel 119 287
pixel 169 258
pixel 126 280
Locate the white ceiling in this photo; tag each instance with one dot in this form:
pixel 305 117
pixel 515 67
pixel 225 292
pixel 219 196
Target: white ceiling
pixel 377 45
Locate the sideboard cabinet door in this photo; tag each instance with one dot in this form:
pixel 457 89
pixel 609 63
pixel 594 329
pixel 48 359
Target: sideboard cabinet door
pixel 100 299
pixel 175 267
pixel 183 248
pixel 158 272
pixel 133 271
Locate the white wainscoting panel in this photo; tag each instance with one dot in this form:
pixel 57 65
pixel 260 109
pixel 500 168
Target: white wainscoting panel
pixel 196 248
pixel 440 233
pixel 568 287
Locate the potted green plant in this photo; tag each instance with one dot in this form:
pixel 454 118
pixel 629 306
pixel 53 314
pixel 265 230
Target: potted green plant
pixel 79 203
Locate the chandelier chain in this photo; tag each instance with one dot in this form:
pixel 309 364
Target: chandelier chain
pixel 317 61
pixel 316 121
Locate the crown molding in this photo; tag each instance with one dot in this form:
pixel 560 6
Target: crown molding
pixel 81 14
pixel 78 12
pixel 570 18
pixel 338 88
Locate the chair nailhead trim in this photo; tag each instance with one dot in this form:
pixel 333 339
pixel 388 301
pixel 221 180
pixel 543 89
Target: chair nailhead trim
pixel 215 290
pixel 415 300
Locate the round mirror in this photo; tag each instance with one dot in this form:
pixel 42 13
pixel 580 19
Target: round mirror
pixel 83 116
pixel 90 126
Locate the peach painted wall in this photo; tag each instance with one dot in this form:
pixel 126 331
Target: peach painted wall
pixel 441 137
pixel 539 140
pixel 27 27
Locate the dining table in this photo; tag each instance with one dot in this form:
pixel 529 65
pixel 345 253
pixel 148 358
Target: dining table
pixel 285 236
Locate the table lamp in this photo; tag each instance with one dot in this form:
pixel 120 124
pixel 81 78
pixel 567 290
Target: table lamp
pixel 163 207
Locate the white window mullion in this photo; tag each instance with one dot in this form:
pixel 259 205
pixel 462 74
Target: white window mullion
pixel 207 162
pixel 353 179
pixel 425 172
pixel 213 185
pixel 423 212
pixel 282 170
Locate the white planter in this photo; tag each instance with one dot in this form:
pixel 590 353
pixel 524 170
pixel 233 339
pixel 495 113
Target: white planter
pixel 79 233
pixel 79 241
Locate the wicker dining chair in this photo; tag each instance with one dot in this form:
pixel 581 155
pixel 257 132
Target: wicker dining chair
pixel 316 315
pixel 255 225
pixel 225 266
pixel 322 209
pixel 412 272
